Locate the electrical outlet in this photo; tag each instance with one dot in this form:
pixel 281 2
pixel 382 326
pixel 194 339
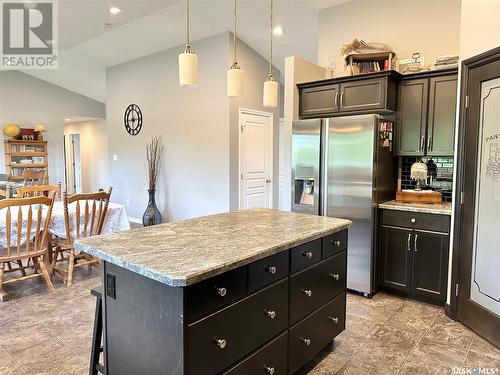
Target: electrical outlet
pixel 127 202
pixel 115 157
pixel 110 286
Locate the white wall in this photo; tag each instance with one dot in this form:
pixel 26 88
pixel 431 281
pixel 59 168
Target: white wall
pixel 431 27
pixel 26 100
pixel 479 32
pixel 193 123
pixel 93 152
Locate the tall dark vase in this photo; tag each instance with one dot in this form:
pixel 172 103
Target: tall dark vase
pixel 152 215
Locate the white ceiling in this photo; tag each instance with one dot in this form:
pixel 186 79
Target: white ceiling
pixel 148 26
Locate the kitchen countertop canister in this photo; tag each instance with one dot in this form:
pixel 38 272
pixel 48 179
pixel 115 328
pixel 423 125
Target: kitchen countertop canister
pixel 185 252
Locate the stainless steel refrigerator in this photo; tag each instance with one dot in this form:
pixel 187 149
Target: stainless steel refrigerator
pixel 344 167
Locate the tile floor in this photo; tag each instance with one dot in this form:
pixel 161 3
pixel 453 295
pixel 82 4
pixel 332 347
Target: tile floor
pixel 51 334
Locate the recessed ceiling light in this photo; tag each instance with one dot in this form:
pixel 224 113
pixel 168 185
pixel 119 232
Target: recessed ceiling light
pixel 278 30
pixel 115 10
pixel 67 119
pixel 106 25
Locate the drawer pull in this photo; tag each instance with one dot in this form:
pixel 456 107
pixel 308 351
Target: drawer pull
pixel 307 254
pixel 272 270
pixel 269 370
pixel 221 291
pixel 221 343
pixel 413 220
pixel 306 341
pixel 335 243
pixel 335 320
pixel 307 292
pixel 271 313
pixel 336 276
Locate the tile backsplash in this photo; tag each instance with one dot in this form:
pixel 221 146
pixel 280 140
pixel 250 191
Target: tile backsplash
pixel 443 180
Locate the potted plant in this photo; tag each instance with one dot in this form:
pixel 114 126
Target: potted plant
pixel 154 161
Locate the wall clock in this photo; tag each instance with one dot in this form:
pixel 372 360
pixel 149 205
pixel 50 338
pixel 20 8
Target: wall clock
pixel 133 119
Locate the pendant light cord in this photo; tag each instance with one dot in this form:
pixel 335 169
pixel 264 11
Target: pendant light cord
pixel 271 34
pixel 188 41
pixel 235 61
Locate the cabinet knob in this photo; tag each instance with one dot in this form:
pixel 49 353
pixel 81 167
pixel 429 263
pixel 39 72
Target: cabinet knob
pixel 307 292
pixel 336 276
pixel 269 370
pixel 271 314
pixel 413 220
pixel 221 343
pixel 272 270
pixel 307 254
pixel 334 320
pixel 306 341
pixel 221 291
pixel 335 243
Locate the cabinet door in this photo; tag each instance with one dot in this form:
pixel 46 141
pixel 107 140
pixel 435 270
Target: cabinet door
pixel 319 101
pixel 442 111
pixel 412 117
pixel 430 264
pixel 395 259
pixel 363 95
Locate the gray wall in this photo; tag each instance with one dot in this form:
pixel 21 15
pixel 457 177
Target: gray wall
pixel 26 100
pixel 255 72
pixel 194 125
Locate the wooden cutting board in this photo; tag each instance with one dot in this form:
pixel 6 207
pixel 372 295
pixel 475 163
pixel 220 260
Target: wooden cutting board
pixel 419 197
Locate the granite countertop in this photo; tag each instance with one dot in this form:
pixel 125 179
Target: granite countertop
pixel 430 208
pixel 185 252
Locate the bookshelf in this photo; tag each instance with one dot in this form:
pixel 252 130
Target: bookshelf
pixel 362 63
pixel 33 155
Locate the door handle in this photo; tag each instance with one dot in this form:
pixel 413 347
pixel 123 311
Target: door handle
pixel 408 241
pixel 336 103
pixel 342 99
pixel 429 143
pixel 268 180
pixel 422 143
pixel 415 243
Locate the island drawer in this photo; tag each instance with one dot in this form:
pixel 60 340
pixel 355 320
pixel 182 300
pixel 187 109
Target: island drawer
pixel 316 285
pixel 267 270
pixel 416 220
pixel 270 359
pixel 305 255
pixel 214 293
pixel 334 243
pixel 221 339
pixel 313 333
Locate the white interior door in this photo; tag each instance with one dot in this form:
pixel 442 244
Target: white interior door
pixel 256 159
pixel 73 164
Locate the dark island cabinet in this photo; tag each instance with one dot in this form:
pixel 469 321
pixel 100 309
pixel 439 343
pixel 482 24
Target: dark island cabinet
pixel 414 254
pixel 426 114
pixel 351 95
pixel 271 316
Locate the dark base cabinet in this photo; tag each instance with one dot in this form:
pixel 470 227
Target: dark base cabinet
pixel 414 254
pixel 269 317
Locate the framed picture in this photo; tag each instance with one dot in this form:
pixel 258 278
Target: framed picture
pixel 415 64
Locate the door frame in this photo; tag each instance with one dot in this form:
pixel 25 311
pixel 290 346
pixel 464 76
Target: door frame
pixel 247 111
pixel 69 158
pixel 459 250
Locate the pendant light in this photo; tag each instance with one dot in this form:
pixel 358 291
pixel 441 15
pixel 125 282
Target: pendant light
pixel 188 60
pixel 234 73
pixel 270 85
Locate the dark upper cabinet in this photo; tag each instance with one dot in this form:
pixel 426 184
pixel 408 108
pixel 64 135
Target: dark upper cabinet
pixel 430 264
pixel 441 119
pixel 319 100
pixel 373 93
pixel 412 114
pixel 396 258
pixel 426 114
pixel 414 254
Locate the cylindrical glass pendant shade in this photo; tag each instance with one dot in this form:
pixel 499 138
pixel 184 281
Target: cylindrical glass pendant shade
pixel 235 81
pixel 188 68
pixel 270 93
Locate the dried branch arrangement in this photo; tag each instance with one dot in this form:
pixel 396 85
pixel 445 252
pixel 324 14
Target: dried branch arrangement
pixel 154 159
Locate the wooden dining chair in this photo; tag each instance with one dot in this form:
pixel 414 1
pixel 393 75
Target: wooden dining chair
pixel 88 219
pixel 25 238
pixel 40 190
pixel 6 193
pixel 35 177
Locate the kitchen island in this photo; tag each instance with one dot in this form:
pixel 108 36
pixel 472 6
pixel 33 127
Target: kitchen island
pixel 247 292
